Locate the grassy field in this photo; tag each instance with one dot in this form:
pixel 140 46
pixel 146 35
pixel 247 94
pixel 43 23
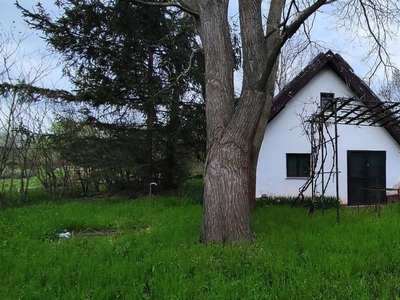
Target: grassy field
pixel 154 253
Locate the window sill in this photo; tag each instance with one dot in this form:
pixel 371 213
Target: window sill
pixel 296 178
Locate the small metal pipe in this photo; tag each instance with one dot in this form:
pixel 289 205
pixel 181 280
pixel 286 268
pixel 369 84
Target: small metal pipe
pixel 151 184
pixel 337 164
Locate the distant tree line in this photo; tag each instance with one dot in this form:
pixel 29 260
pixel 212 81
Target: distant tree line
pixel 136 114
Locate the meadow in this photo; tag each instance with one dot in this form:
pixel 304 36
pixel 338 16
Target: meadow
pixel 149 249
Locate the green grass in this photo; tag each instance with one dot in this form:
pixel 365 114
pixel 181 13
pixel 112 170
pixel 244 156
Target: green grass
pixel 156 253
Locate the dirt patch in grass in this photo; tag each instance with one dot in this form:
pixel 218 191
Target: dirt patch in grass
pixel 102 232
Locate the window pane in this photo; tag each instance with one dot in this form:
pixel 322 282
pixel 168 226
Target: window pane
pixel 298 165
pixel 291 165
pixel 304 165
pixel 325 100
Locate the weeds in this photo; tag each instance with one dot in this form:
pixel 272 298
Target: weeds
pixel 156 254
pixel 328 202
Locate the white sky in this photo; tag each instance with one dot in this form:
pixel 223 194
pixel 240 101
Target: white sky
pixel 351 52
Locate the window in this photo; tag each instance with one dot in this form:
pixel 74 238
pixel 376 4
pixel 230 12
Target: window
pixel 325 100
pixel 298 164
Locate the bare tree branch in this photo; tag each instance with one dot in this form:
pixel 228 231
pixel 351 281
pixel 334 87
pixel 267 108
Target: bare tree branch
pixel 301 17
pixel 377 22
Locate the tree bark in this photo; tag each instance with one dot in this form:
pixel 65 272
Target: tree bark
pixel 226 215
pixel 232 142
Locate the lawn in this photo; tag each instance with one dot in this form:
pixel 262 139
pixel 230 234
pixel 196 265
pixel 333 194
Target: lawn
pixel 149 249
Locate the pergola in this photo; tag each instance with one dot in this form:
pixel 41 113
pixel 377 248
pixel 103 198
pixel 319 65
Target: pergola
pixel 351 111
pixel 345 111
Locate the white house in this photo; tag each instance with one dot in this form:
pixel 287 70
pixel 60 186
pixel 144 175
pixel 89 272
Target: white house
pixel 350 125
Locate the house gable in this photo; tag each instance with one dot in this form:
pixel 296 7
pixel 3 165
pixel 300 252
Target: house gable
pixel 287 141
pixel 345 73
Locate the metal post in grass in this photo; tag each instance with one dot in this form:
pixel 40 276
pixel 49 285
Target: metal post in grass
pixel 379 203
pixel 322 139
pixel 398 198
pixel 150 186
pixel 312 163
pixel 336 163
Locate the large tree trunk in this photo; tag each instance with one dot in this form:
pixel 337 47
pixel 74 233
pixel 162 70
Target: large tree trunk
pixel 226 216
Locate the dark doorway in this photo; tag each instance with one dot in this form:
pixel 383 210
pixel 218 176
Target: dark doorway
pixel 366 170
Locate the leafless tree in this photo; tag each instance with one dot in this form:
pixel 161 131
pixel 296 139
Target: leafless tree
pixel 390 91
pixel 21 117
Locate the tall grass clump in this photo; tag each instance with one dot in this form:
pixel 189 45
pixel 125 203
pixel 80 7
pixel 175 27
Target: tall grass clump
pixel 149 249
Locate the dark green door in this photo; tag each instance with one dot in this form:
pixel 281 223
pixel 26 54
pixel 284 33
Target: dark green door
pixel 366 170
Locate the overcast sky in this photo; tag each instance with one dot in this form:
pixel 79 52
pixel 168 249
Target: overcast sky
pixel 352 53
pixel 33 53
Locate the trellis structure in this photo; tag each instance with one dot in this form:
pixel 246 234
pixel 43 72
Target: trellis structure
pixel 345 111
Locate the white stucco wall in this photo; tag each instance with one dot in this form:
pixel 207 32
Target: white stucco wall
pixel 284 135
